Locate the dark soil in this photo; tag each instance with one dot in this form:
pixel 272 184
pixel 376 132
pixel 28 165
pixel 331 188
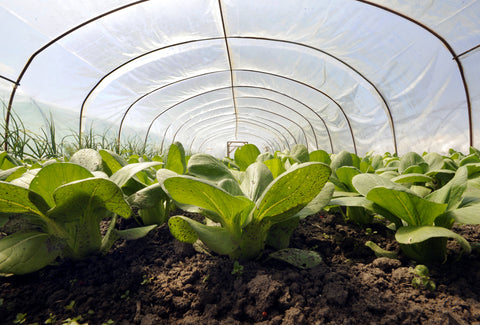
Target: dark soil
pixel 157 280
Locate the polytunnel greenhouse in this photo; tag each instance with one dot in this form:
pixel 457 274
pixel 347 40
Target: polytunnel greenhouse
pixel 388 76
pixel 240 162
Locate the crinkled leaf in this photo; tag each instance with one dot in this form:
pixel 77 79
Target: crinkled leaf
pixel 300 258
pixel 54 175
pixel 25 252
pixel 217 239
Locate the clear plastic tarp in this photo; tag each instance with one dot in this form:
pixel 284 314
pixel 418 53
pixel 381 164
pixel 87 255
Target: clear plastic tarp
pixel 336 75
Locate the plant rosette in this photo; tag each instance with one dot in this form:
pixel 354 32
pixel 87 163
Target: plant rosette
pixel 58 216
pixel 243 218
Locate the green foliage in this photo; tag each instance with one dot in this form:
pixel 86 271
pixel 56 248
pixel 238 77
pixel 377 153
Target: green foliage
pixel 58 216
pixel 246 155
pixel 422 223
pixel 242 223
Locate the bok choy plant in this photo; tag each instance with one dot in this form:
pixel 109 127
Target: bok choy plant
pixel 422 223
pixel 58 216
pixel 242 216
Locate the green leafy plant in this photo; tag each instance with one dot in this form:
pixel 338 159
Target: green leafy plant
pixel 57 214
pixel 241 217
pixel 422 224
pixel 421 278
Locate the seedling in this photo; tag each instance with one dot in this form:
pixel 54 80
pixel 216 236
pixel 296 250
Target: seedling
pixel 237 269
pixel 422 278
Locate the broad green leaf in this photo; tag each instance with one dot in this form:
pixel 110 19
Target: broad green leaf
pixel 417 234
pixel 257 178
pixel 470 159
pixel 343 158
pixel 148 197
pixel 246 155
pixel 127 172
pixel 54 175
pixel 345 174
pixel 200 193
pixel 231 186
pixel 12 173
pixel 377 162
pixel 17 199
pixel 276 166
pixel 363 183
pixel 208 167
pixel 25 252
pixel 84 197
pixel 409 207
pixel 412 159
pixel 217 239
pixel 135 233
pixel 88 158
pixel 176 158
pixel 300 258
pixel 469 215
pixel 299 153
pixel 112 162
pixel 292 191
pixel 412 178
pixel 434 161
pixel 320 156
pixel 318 203
pixel 452 192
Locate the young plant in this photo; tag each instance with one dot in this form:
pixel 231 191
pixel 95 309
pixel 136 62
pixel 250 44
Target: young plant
pixel 422 224
pixel 240 217
pixel 57 215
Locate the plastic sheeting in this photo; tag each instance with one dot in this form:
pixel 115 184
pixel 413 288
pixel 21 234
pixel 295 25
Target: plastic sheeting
pixel 336 75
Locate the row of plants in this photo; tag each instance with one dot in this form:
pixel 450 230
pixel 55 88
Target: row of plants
pixel 52 210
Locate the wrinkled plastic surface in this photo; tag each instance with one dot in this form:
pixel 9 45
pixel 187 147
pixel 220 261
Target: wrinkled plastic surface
pixel 333 75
